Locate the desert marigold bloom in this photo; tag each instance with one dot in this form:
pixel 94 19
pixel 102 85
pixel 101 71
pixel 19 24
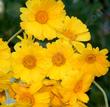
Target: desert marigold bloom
pixel 61 97
pixel 93 61
pixel 25 98
pixel 43 18
pixel 30 62
pixel 52 86
pixel 82 86
pixel 60 55
pixel 75 90
pixel 75 30
pixel 5 58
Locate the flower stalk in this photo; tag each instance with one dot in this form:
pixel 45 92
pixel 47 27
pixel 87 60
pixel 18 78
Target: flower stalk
pixel 103 92
pixel 14 36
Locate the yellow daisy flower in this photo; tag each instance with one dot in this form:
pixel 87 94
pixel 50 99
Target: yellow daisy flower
pixel 52 86
pixel 82 86
pixel 74 88
pixel 75 30
pixel 92 60
pixel 31 63
pixel 25 98
pixel 61 97
pixel 61 56
pixel 43 18
pixel 81 83
pixel 68 81
pixel 5 58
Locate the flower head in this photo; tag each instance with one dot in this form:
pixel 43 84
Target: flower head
pixel 93 61
pixel 43 18
pixel 30 62
pixel 75 30
pixel 26 98
pixel 60 55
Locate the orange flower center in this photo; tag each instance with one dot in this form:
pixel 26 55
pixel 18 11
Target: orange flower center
pixel 70 35
pixel 91 58
pixel 27 98
pixel 58 59
pixel 41 17
pixel 29 61
pixel 78 86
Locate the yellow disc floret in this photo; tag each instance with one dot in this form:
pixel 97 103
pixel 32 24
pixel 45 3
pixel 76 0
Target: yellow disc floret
pixel 29 61
pixel 58 59
pixel 42 17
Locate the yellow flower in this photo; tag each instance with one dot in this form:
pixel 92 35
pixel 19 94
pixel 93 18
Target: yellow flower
pixel 25 98
pixel 82 86
pixel 5 58
pixel 92 60
pixel 61 97
pixel 31 63
pixel 75 30
pixel 76 90
pixel 61 56
pixel 52 86
pixel 43 18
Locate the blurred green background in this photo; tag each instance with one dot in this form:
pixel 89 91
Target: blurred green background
pixel 94 13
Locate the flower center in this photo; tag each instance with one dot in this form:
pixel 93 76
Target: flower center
pixel 27 98
pixel 29 61
pixel 78 87
pixel 41 17
pixel 70 35
pixel 91 58
pixel 58 59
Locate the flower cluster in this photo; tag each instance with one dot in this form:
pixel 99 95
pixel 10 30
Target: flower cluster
pixel 57 73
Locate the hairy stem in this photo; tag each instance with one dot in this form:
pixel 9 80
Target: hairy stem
pixel 103 92
pixel 14 35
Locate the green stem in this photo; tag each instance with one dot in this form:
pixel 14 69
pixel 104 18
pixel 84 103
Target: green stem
pixel 103 92
pixel 14 36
